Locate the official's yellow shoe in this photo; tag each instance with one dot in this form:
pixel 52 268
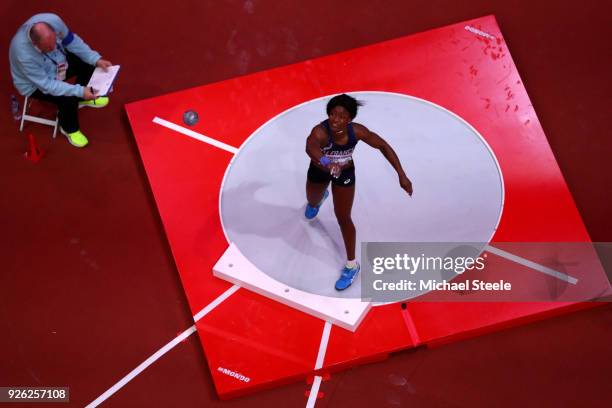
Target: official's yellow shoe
pixel 77 138
pixel 99 102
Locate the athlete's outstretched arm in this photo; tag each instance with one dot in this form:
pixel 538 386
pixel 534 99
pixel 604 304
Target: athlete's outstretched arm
pixel 381 144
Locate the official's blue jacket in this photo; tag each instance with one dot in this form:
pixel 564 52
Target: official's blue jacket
pixel 32 69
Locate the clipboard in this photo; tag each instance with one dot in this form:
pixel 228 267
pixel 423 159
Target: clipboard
pixel 102 81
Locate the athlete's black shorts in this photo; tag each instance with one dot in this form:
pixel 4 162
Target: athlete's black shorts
pixel 318 175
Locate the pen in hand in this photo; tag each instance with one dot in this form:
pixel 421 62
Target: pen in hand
pixel 89 93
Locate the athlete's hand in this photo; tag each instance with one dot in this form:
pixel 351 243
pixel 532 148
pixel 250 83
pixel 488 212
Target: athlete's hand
pixel 335 170
pixel 406 184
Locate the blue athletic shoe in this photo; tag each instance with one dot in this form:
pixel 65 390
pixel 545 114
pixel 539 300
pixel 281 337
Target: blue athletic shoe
pixel 312 212
pixel 347 277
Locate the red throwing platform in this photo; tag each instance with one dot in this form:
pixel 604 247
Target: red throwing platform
pixel 252 342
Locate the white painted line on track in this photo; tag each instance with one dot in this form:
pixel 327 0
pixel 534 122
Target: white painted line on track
pixel 323 345
pixel 530 264
pixel 195 135
pixel 159 353
pixel 314 390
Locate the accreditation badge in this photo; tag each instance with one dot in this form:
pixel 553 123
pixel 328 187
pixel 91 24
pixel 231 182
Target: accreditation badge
pixel 61 71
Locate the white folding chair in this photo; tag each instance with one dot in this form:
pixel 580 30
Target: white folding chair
pixel 43 121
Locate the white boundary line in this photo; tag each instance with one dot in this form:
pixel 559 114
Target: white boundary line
pixel 323 345
pixel 215 303
pixel 159 353
pixel 314 390
pixel 532 265
pixel 195 135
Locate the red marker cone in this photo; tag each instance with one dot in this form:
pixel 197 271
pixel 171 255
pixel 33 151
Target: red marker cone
pixel 34 153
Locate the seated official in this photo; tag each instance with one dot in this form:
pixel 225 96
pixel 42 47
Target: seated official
pixel 43 54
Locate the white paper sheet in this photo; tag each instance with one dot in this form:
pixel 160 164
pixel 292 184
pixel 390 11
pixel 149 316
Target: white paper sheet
pixel 101 81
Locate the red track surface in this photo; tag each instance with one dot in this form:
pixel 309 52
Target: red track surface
pixel 89 289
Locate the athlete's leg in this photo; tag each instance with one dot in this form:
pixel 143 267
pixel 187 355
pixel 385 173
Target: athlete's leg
pixel 343 204
pixel 315 191
pixel 317 181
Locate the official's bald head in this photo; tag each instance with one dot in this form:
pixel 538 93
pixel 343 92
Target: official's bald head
pixel 43 36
